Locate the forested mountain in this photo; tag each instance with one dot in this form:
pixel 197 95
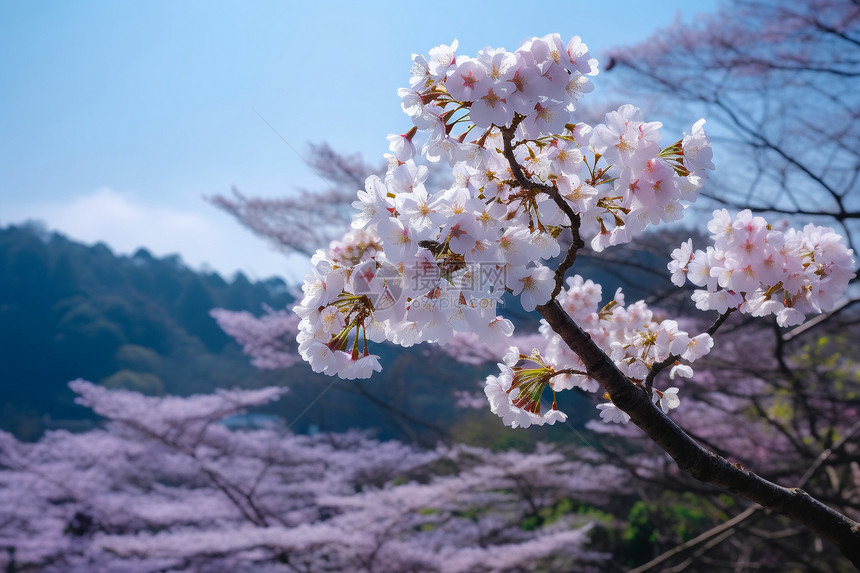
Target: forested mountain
pixel 71 311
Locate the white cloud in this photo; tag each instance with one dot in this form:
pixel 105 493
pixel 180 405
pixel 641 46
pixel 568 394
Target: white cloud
pixel 204 237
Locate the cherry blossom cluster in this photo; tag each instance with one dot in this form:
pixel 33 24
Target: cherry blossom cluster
pixel 760 271
pixel 630 336
pixel 540 82
pixel 422 264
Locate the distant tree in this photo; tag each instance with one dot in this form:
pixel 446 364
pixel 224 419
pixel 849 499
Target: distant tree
pixel 780 85
pixel 269 340
pixel 138 358
pixel 294 223
pixel 143 382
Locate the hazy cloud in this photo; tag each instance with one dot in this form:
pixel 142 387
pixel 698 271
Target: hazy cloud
pixel 204 237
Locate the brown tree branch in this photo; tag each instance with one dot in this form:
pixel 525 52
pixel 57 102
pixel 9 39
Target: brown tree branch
pixel 700 463
pixel 745 515
pixel 728 526
pixel 576 242
pixel 660 366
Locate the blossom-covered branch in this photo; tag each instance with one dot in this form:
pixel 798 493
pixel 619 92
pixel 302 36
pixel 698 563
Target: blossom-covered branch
pixel 421 265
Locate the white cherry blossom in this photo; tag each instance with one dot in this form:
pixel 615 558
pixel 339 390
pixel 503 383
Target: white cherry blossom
pixel 422 264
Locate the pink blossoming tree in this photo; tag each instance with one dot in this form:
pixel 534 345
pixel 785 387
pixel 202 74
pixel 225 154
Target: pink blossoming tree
pixel 166 487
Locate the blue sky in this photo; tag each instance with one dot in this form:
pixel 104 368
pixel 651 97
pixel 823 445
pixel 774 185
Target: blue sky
pixel 118 117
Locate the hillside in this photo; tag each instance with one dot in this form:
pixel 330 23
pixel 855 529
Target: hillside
pixel 71 311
